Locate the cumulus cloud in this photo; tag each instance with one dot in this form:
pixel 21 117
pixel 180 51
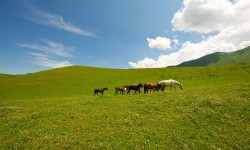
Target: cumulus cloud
pixel 49 53
pixel 57 21
pixel 229 19
pixel 159 42
pixel 205 16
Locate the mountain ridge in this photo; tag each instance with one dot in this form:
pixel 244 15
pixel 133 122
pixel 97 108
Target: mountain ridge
pixel 219 58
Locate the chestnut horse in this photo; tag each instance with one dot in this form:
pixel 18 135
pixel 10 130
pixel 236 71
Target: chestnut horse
pixel 135 87
pixel 121 89
pixel 152 85
pixel 96 91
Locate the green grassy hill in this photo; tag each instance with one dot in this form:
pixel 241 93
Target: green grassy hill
pixel 57 109
pixel 220 58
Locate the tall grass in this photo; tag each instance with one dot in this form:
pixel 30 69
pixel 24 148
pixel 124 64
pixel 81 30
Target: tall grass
pixel 57 109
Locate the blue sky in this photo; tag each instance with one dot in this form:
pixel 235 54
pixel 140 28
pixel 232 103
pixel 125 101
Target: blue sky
pixel 39 35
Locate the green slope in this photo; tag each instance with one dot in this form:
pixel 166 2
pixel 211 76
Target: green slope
pixel 77 80
pixel 56 109
pixel 220 58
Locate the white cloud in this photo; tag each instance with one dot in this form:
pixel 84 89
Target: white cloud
pixel 145 63
pixel 203 17
pixel 49 53
pixel 176 41
pixel 212 15
pixel 57 21
pixel 159 43
pixel 50 47
pixel 46 61
pixel 231 39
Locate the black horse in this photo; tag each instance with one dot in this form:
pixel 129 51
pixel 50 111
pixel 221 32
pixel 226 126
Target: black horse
pixel 96 91
pixel 135 87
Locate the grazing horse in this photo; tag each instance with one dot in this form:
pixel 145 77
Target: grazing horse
pixel 171 83
pixel 96 91
pixel 121 89
pixel 135 87
pixel 152 85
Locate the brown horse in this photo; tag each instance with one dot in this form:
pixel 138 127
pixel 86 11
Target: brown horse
pixel 121 89
pixel 152 85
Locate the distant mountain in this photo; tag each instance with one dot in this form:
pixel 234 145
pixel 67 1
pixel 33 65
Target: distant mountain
pixel 220 58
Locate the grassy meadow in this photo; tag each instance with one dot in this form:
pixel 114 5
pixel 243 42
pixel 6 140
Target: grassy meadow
pixel 57 109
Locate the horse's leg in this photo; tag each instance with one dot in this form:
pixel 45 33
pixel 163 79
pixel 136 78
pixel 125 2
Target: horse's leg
pixel 162 88
pixel 128 92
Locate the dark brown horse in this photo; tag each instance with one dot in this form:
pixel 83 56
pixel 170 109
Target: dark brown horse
pixel 151 86
pixel 135 87
pixel 96 91
pixel 121 89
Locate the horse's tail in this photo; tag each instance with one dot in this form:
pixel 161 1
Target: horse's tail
pixel 116 90
pixel 127 89
pixel 145 88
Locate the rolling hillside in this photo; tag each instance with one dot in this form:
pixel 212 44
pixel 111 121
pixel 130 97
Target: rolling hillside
pixel 220 58
pixel 78 80
pixel 57 109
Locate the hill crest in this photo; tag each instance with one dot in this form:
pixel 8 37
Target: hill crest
pixel 219 58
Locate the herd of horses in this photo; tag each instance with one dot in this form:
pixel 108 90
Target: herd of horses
pixel 154 86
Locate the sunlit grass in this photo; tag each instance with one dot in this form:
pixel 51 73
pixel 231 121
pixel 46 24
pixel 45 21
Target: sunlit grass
pixel 212 112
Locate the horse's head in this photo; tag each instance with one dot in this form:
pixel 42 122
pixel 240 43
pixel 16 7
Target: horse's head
pixel 140 85
pixel 106 89
pixel 181 86
pixel 161 87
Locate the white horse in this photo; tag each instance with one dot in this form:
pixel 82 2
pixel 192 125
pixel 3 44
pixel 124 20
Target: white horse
pixel 171 83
